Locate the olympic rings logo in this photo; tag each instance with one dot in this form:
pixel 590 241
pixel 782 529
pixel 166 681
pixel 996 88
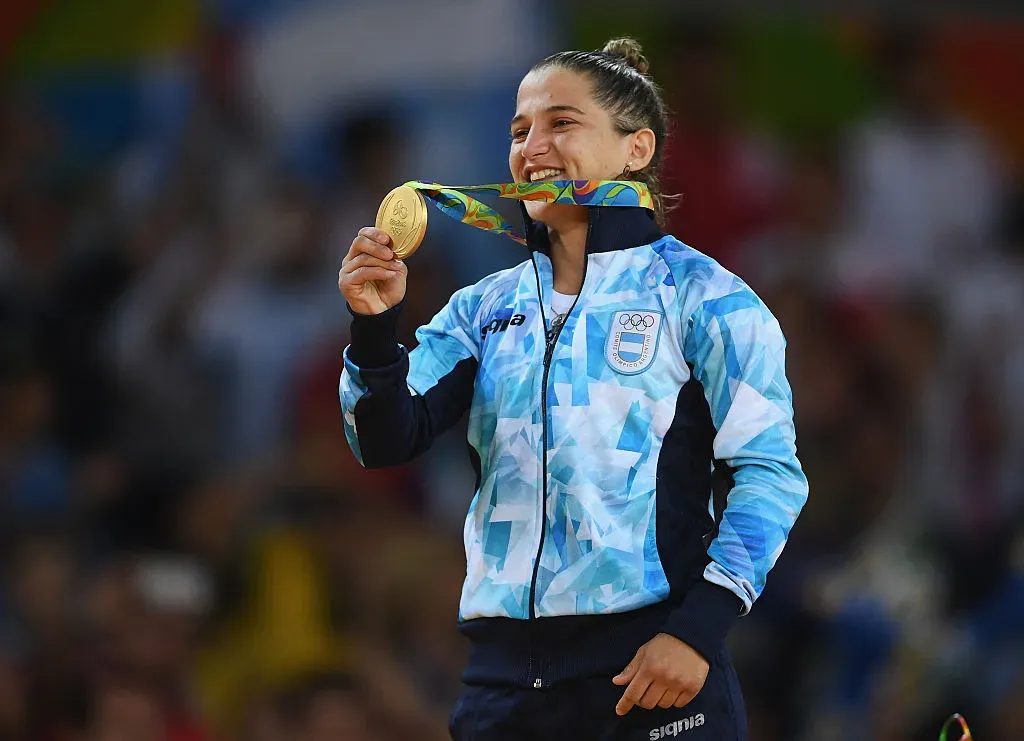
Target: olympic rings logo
pixel 636 321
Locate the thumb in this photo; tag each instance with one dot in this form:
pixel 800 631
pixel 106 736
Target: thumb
pixel 627 674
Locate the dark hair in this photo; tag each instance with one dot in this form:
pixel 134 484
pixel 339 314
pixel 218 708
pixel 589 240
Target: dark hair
pixel 623 88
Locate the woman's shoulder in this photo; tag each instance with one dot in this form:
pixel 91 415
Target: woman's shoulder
pixel 503 281
pixel 697 276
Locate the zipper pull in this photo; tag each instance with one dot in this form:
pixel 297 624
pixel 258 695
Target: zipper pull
pixel 552 334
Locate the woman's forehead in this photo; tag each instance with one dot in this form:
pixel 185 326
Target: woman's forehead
pixel 553 86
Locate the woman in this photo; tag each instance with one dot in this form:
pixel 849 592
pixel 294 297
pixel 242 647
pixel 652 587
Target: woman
pixel 615 381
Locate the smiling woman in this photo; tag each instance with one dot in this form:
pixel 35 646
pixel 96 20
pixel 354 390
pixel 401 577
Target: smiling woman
pixel 586 116
pixel 594 105
pixel 616 381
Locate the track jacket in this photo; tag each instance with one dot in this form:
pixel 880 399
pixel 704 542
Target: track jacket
pixel 636 466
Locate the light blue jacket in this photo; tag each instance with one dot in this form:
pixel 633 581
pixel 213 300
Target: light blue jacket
pixel 597 451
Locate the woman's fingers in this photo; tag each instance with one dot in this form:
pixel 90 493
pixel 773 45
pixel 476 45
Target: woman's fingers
pixel 365 260
pixel 366 274
pixel 366 245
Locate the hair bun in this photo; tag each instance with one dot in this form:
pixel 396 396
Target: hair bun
pixel 630 50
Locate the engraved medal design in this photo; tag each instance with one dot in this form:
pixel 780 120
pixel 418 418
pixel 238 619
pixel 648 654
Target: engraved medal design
pixel 403 215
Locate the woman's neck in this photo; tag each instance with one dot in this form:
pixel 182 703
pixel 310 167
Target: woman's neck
pixel 568 256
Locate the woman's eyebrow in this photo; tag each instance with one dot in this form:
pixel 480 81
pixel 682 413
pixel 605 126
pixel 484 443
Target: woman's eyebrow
pixel 550 109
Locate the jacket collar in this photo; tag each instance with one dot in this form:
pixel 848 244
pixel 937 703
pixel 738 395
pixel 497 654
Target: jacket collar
pixel 611 228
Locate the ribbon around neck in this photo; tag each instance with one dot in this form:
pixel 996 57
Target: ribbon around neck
pixel 454 203
pixel 965 731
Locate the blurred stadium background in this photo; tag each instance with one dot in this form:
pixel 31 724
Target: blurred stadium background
pixel 189 551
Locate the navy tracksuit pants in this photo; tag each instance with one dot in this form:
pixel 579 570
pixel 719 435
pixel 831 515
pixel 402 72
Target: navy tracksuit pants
pixel 584 709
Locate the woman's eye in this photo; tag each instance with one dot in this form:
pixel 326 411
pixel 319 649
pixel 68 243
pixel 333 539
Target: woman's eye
pixel 562 122
pixel 519 134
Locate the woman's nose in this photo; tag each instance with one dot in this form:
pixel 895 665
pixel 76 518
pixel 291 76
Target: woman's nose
pixel 537 142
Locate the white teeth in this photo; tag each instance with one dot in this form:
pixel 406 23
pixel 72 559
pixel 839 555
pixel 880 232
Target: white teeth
pixel 544 174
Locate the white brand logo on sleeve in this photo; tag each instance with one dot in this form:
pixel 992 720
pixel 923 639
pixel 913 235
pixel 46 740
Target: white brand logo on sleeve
pixel 679 726
pixel 632 340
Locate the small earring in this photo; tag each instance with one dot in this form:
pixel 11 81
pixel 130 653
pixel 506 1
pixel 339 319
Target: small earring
pixel 627 169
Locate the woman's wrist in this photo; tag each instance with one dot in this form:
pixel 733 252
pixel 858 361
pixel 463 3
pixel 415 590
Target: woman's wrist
pixel 375 337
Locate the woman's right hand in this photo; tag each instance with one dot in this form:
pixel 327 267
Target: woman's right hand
pixel 371 279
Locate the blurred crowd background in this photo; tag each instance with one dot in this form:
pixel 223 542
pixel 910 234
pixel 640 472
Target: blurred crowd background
pixel 189 550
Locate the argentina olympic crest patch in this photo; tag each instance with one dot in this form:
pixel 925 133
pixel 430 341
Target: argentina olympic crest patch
pixel 633 340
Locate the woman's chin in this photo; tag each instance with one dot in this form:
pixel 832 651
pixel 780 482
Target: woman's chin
pixel 553 214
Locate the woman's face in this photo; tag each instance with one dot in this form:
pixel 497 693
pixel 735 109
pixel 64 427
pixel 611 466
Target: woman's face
pixel 560 133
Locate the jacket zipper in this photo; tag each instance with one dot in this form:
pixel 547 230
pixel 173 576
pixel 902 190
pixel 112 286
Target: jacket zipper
pixel 549 351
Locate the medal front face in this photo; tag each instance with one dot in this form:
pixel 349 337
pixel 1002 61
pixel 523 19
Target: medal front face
pixel 403 215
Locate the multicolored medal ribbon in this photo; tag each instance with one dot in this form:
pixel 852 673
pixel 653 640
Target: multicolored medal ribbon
pixel 965 734
pixel 403 213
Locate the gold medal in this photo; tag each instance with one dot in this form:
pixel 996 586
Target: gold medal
pixel 403 215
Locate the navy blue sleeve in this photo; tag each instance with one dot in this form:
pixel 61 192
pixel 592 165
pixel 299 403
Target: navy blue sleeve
pixel 395 403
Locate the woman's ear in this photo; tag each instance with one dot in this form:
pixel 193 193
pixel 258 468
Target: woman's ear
pixel 641 149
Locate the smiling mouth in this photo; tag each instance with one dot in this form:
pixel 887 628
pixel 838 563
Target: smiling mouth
pixel 548 174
